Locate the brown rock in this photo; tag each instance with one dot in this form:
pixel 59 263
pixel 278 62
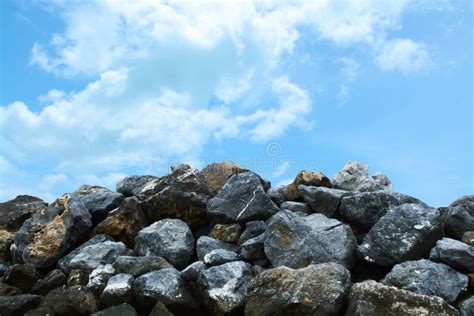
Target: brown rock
pixel 9 290
pixel 14 212
pixel 51 281
pixel 6 239
pixel 73 300
pixel 78 277
pixel 218 173
pixel 226 232
pixel 308 178
pixel 468 238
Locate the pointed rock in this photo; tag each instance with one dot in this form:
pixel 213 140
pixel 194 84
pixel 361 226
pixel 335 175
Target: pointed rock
pixel 217 174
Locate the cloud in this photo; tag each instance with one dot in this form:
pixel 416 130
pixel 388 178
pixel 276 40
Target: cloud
pixel 281 169
pixel 404 55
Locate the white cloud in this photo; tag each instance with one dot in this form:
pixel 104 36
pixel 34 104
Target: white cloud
pixel 281 169
pixel 404 55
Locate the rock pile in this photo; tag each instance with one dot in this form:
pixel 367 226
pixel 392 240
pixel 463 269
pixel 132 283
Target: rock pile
pixel 222 241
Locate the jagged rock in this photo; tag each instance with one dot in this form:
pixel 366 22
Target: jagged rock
pixel 169 238
pixel 428 278
pixel 460 218
pixel 468 238
pixel 160 310
pixel 224 287
pixel 256 269
pixel 99 276
pixel 228 233
pixel 466 306
pixel 315 179
pixel 205 245
pixel 454 253
pixel 181 194
pixel 49 234
pixel 370 298
pixel 297 207
pixel 366 208
pixel 277 194
pixel 73 300
pixel 133 185
pixel 296 241
pixel 90 257
pixel 217 174
pixel 118 290
pixel 315 290
pixel 78 277
pixel 354 176
pixel 6 239
pixel 405 232
pixel 99 201
pixel 18 304
pixel 253 249
pixel 191 272
pixel 242 199
pixel 137 266
pixel 220 256
pixel 14 212
pixel 9 290
pixel 23 276
pixel 51 281
pixel 165 285
pixel 118 310
pixel 322 200
pixel 252 229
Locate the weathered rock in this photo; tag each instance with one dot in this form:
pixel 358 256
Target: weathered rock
pixel 125 222
pixel 354 176
pixel 428 278
pixel 73 300
pixel 99 201
pixel 137 266
pixel 454 253
pixel 252 229
pixel 296 241
pixel 460 218
pixel 220 256
pixel 253 248
pixel 228 233
pixel 315 290
pixel 322 200
pixel 366 208
pixel 315 179
pixel 224 287
pixel 9 290
pixel 468 238
pixel 370 298
pixel 51 281
pixel 297 207
pixel 466 306
pixel 242 199
pixel 99 276
pixel 18 304
pixel 277 194
pixel 217 174
pixel 118 310
pixel 133 185
pixel 78 277
pixel 6 239
pixel 49 234
pixel 118 290
pixel 14 212
pixel 160 310
pixel 23 276
pixel 181 194
pixel 169 238
pixel 191 273
pixel 90 257
pixel 205 245
pixel 405 232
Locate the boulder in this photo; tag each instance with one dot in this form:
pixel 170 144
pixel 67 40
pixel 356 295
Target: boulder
pixel 297 207
pixel 14 212
pixel 315 290
pixel 18 304
pixel 217 174
pixel 220 256
pixel 123 309
pixel 315 179
pixel 252 229
pixel 181 194
pixel 277 194
pixel 9 290
pixel 468 238
pixel 205 245
pixel 370 298
pixel 296 241
pixel 224 287
pixel 454 253
pixel 6 240
pixel 124 222
pixel 354 176
pixel 99 276
pixel 90 257
pixel 78 277
pixel 52 280
pixel 321 199
pixel 405 232
pixel 49 234
pixel 226 232
pixel 460 218
pixel 133 185
pixel 73 300
pixel 428 278
pixel 191 272
pixel 23 276
pixel 137 266
pixel 160 310
pixel 99 201
pixel 118 290
pixel 466 306
pixel 242 199
pixel 253 249
pixel 171 239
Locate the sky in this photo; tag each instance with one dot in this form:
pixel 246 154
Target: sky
pixel 93 91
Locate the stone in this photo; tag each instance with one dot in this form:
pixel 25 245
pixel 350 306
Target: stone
pixel 6 240
pixel 454 253
pixel 78 277
pixel 99 276
pixel 315 179
pixel 182 194
pixel 354 176
pixel 18 304
pixel 72 300
pixel 99 201
pixel 252 229
pixel 297 207
pixel 123 309
pixel 460 218
pixel 217 174
pixel 226 232
pixel 405 232
pixel 253 249
pixel 124 222
pixel 205 245
pixel 364 209
pixel 14 212
pixel 137 266
pixel 171 239
pixel 49 234
pixel 428 278
pixel 220 256
pixel 118 290
pixel 277 194
pixel 468 238
pixel 466 306
pixel 296 241
pixel 160 310
pixel 242 199
pixel 9 290
pixel 90 257
pixel 224 287
pixel 52 280
pixel 321 199
pixel 370 298
pixel 23 276
pixel 133 185
pixel 191 272
pixel 315 290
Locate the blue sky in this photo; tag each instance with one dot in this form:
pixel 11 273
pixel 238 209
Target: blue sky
pixel 92 91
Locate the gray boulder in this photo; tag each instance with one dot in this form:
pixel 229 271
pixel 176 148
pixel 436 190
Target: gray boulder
pixel 296 241
pixel 205 245
pixel 137 266
pixel 220 256
pixel 252 229
pixel 454 253
pixel 277 194
pixel 297 207
pixel 460 218
pixel 99 201
pixel 405 232
pixel 90 257
pixel 52 280
pixel 18 304
pixel 14 212
pixel 466 306
pixel 118 290
pixel 169 238
pixel 253 249
pixel 354 176
pixel 132 185
pixel 321 199
pixel 191 273
pixel 99 276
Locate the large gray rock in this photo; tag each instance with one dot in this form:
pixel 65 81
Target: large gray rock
pixel 243 198
pixel 354 176
pixel 18 304
pixel 253 249
pixel 99 276
pixel 296 241
pixel 405 232
pixel 370 298
pixel 90 257
pixel 460 218
pixel 220 256
pixel 428 278
pixel 366 208
pixel 49 234
pixel 466 306
pixel 224 287
pixel 99 201
pixel 169 238
pixel 315 290
pixel 14 212
pixel 137 266
pixel 277 194
pixel 192 272
pixel 321 199
pixel 454 253
pixel 297 207
pixel 252 229
pixel 205 245
pixel 132 185
pixel 118 290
